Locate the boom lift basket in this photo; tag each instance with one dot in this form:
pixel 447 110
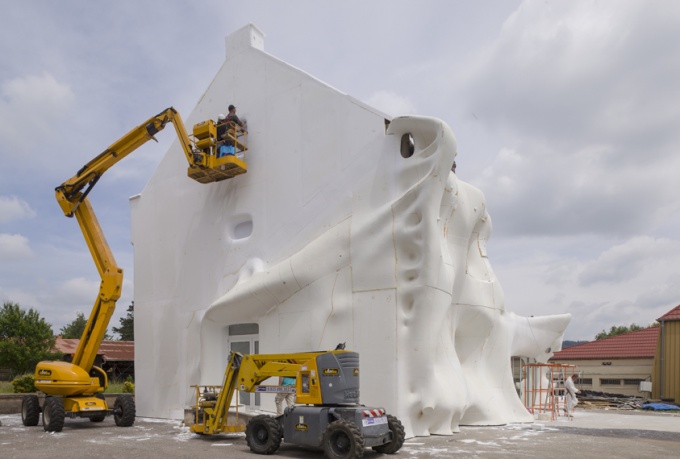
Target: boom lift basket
pixel 211 167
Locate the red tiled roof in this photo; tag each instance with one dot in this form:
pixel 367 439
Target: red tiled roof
pixel 673 315
pixel 636 344
pixel 111 350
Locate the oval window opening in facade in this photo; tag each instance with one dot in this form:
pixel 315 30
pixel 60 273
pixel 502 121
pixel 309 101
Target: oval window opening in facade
pixel 243 230
pixel 407 145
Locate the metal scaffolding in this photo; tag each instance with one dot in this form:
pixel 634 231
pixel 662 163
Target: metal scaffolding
pixel 543 387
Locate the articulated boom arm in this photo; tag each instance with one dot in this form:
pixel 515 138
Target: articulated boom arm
pixel 72 197
pixel 245 373
pixel 255 369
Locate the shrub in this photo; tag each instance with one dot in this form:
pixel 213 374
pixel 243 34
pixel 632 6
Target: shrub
pixel 24 384
pixel 128 385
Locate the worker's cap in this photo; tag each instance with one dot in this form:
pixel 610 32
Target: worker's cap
pixel 221 116
pixel 231 107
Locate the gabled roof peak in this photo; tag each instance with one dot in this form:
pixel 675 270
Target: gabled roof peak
pixel 249 36
pixel 673 315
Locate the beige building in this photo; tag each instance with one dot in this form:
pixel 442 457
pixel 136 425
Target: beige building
pixel 622 364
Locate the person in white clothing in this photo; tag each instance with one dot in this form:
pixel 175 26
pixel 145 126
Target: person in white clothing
pixel 570 398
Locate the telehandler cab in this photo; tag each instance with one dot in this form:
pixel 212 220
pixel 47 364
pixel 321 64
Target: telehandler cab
pixel 75 389
pixel 326 414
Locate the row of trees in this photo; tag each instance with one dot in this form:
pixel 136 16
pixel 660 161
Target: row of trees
pixel 26 338
pixel 126 331
pixel 618 330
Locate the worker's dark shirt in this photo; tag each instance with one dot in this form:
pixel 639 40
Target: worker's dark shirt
pixel 235 119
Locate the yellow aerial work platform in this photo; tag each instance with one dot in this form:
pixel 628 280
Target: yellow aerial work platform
pixel 211 167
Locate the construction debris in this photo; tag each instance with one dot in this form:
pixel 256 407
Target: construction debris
pixel 598 400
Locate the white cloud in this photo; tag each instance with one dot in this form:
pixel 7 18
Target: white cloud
pixel 566 70
pixel 13 208
pixel 14 247
pixel 626 261
pixel 663 292
pixel 536 189
pixel 582 94
pixel 31 108
pixel 79 291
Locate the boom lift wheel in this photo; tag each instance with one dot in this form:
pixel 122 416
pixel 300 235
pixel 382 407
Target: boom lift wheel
pixel 124 410
pixel 30 410
pixel 263 434
pixel 53 414
pixel 398 436
pixel 101 417
pixel 343 439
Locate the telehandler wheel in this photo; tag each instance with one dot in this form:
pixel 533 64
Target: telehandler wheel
pixel 342 439
pixel 263 434
pixel 124 410
pixel 53 414
pixel 30 410
pixel 398 436
pixel 97 418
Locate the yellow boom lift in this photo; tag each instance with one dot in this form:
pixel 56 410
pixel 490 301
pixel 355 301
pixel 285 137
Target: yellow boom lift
pixel 326 414
pixel 75 389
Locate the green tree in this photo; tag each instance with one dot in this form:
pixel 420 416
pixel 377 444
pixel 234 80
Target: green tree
pixel 126 331
pixel 25 339
pixel 74 329
pixel 617 330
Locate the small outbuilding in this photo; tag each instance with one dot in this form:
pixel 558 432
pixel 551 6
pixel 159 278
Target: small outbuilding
pixel 666 380
pixel 621 364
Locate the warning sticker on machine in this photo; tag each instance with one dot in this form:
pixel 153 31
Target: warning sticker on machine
pixel 374 421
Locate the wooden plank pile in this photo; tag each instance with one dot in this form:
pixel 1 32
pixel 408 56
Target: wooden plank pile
pixel 598 400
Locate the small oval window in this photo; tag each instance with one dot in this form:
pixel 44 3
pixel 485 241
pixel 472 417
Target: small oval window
pixel 407 145
pixel 243 230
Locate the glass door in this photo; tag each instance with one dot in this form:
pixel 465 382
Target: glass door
pixel 246 344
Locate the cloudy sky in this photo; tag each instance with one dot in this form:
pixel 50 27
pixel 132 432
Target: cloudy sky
pixel 566 115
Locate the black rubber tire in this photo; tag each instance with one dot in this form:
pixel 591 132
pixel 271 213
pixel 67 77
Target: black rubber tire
pixel 398 436
pixel 100 417
pixel 53 414
pixel 342 439
pixel 263 434
pixel 97 418
pixel 124 410
pixel 30 410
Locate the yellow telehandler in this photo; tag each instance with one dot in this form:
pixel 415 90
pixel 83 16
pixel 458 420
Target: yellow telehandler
pixel 327 413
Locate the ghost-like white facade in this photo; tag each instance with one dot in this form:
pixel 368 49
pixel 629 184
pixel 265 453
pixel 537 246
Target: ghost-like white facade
pixel 348 227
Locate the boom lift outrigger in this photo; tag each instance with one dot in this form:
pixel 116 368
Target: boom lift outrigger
pixel 74 389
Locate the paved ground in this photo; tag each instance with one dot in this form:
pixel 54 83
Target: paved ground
pixel 592 434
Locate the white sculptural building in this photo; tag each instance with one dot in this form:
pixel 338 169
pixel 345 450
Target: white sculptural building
pixel 349 226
